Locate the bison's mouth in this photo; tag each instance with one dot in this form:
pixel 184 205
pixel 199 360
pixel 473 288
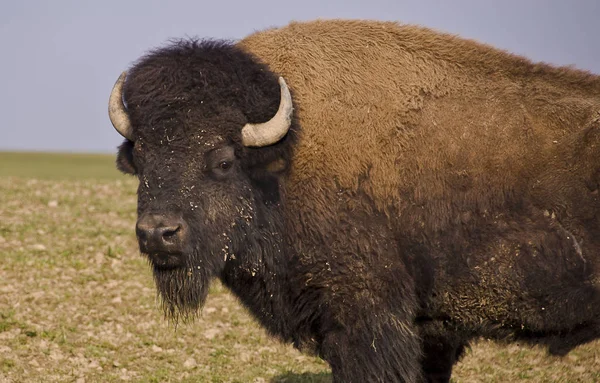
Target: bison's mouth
pixel 166 261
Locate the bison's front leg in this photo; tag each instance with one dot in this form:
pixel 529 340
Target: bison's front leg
pixel 377 348
pixel 440 355
pixel 443 346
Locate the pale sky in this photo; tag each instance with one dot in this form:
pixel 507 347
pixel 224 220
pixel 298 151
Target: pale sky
pixel 59 58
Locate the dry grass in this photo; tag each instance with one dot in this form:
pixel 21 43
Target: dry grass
pixel 77 304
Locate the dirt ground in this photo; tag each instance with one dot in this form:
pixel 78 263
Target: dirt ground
pixel 77 304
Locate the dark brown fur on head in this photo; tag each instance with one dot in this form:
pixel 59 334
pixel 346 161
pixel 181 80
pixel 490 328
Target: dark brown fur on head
pixel 187 104
pixel 177 87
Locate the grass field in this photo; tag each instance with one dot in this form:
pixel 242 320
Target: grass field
pixel 77 302
pixel 58 166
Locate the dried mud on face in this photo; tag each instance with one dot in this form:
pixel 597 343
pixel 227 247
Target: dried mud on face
pixel 77 304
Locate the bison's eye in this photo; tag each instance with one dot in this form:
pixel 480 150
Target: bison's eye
pixel 220 162
pixel 225 165
pixel 222 168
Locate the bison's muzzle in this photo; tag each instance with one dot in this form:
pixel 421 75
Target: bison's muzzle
pixel 162 238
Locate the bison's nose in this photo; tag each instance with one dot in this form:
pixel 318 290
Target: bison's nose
pixel 162 237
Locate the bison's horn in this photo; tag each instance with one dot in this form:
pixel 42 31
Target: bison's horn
pixel 116 109
pixel 270 132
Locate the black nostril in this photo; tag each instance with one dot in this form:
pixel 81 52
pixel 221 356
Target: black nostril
pixel 169 234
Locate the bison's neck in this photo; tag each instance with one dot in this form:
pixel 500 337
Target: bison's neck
pixel 258 276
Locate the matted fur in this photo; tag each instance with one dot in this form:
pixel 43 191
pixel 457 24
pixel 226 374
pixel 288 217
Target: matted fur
pixel 431 190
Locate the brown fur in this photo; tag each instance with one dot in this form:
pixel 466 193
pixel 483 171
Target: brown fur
pixel 430 104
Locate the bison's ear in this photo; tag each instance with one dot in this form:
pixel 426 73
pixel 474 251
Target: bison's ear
pixel 125 158
pixel 277 166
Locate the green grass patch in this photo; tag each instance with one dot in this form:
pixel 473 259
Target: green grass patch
pixel 58 166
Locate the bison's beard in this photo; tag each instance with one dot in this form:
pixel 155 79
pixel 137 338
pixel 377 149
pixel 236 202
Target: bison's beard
pixel 182 291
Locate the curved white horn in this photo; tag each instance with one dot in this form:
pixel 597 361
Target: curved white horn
pixel 116 110
pixel 270 132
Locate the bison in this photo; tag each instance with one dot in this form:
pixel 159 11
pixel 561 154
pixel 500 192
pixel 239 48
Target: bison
pixel 375 193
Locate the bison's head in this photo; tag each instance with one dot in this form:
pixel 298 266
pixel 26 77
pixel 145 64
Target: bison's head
pixel 208 133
